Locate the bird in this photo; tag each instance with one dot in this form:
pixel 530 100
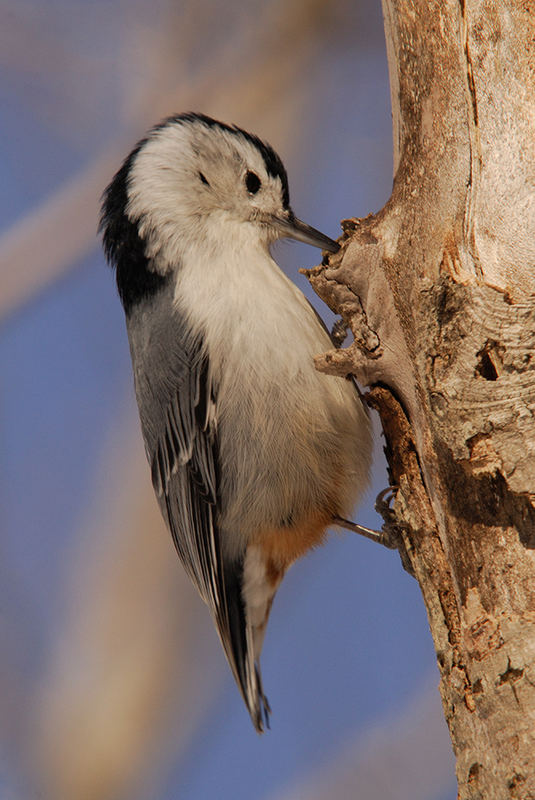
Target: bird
pixel 253 453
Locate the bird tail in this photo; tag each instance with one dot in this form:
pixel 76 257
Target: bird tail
pixel 237 638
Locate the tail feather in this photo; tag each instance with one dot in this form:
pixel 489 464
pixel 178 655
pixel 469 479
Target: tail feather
pixel 237 638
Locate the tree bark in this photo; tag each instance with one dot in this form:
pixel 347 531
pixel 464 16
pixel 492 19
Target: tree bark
pixel 438 290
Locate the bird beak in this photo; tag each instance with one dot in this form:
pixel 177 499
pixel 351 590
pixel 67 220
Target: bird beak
pixel 292 228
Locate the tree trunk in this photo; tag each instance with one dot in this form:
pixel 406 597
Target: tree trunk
pixel 438 289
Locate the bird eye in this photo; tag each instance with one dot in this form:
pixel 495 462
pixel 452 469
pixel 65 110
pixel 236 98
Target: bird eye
pixel 203 179
pixel 252 182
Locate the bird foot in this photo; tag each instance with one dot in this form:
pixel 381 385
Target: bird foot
pixel 389 536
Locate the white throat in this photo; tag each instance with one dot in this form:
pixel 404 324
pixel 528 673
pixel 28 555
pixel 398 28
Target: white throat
pixel 245 305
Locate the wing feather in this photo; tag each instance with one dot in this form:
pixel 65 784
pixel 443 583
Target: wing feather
pixel 177 403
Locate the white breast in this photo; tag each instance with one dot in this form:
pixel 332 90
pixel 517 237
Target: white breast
pixel 284 428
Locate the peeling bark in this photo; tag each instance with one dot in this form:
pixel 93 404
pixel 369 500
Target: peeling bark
pixel 438 289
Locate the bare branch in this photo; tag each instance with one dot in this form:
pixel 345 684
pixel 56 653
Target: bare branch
pixel 438 289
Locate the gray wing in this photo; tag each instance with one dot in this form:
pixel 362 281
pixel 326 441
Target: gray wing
pixel 178 412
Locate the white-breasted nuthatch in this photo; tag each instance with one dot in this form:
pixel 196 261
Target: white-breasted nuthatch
pixel 253 452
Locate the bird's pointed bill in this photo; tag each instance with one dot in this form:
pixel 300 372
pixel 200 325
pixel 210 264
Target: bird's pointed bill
pixel 293 228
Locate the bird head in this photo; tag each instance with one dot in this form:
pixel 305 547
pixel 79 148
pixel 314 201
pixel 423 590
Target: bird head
pixel 194 180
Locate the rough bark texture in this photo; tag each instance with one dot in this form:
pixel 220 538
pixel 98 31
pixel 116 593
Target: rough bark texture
pixel 438 289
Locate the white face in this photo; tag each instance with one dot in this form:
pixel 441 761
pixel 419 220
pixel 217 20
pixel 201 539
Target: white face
pixel 195 186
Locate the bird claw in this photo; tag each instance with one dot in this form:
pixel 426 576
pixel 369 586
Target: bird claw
pixel 390 534
pixel 382 505
pixel 339 333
